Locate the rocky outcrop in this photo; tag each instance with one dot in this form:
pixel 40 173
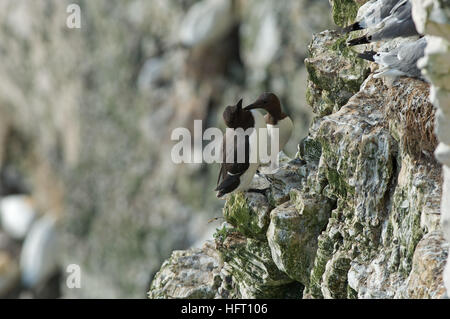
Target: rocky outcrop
pixel 432 17
pixel 426 278
pixel 86 117
pixel 359 214
pixel 250 269
pixel 193 273
pixel 335 73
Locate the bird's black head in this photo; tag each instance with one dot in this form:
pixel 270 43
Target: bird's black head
pixel 231 114
pixel 235 116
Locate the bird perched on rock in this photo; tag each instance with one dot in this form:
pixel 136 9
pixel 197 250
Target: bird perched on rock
pixel 371 13
pixel 275 118
pixel 399 23
pixel 401 61
pixel 236 173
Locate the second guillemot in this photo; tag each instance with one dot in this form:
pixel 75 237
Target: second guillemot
pixel 236 174
pixel 275 119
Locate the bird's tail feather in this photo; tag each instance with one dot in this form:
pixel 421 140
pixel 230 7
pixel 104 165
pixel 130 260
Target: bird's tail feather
pixel 362 40
pixel 353 27
pixel 220 175
pixel 229 184
pixel 368 55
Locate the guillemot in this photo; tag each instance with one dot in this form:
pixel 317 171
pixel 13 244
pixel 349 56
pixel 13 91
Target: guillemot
pixel 371 13
pixel 401 61
pixel 275 118
pixel 399 23
pixel 236 173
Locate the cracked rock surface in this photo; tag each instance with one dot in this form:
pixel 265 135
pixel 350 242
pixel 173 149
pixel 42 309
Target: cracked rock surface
pixel 356 212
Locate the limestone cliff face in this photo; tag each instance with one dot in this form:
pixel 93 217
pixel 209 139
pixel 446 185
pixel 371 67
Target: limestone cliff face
pixel 432 17
pixel 356 213
pixel 86 117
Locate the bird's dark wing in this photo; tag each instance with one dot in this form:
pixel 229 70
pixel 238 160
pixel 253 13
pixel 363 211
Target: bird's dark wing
pixel 230 172
pixel 228 185
pixel 220 177
pixel 235 153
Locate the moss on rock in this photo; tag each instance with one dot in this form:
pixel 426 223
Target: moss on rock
pixel 344 11
pixel 249 213
pixel 335 71
pixel 334 283
pixel 293 233
pixel 249 263
pixel 351 216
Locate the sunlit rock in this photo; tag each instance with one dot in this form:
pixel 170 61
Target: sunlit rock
pixel 334 72
pixel 432 17
pixel 17 215
pixel 189 274
pixel 39 257
pixel 249 213
pixel 293 232
pixel 252 271
pixel 426 278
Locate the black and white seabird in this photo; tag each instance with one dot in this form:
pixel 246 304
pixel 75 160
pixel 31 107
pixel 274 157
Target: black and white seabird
pixel 237 175
pixel 399 23
pixel 401 61
pixel 371 13
pixel 275 117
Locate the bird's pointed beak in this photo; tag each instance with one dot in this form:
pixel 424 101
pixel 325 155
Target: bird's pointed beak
pixel 252 106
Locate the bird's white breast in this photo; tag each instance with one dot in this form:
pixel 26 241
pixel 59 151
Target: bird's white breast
pixel 285 127
pixel 246 178
pixel 260 123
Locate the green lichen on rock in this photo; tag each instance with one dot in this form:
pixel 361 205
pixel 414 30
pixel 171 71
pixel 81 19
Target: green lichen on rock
pixel 252 269
pixel 351 215
pixel 412 201
pixel 335 72
pixel 293 233
pixel 323 255
pixel 319 99
pixel 310 150
pixel 337 183
pixel 426 279
pixel 290 176
pixel 344 11
pixel 249 213
pixel 190 274
pixel 381 207
pixel 335 284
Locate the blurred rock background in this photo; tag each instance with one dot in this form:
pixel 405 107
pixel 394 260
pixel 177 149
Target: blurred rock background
pixel 85 122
